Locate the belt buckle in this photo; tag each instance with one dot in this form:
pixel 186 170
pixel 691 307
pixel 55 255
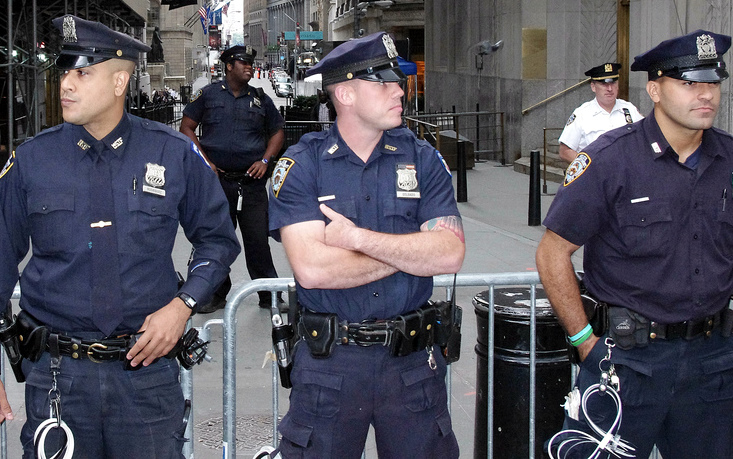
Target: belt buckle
pixel 91 349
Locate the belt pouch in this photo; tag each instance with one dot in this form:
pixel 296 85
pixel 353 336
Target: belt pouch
pixel 627 328
pixel 32 336
pixel 597 314
pixel 405 335
pixel 320 331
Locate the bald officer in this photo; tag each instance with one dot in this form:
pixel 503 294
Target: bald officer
pixel 241 132
pixel 366 215
pixel 603 113
pixel 100 199
pixel 650 205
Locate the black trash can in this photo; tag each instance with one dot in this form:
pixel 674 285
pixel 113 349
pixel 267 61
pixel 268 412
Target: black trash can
pixel 511 373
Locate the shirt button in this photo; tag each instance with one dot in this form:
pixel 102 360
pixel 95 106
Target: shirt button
pixel 697 271
pixel 694 237
pixel 376 294
pixel 694 206
pixel 367 197
pixel 45 208
pixel 643 219
pixel 154 209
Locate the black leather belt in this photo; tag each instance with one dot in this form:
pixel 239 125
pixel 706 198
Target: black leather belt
pixel 688 329
pixel 106 350
pixel 368 333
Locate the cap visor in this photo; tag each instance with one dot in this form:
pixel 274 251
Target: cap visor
pixel 72 61
pixel 701 75
pixel 392 75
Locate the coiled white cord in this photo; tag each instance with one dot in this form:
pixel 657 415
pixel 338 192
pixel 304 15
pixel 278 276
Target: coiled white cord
pixel 39 440
pixel 609 441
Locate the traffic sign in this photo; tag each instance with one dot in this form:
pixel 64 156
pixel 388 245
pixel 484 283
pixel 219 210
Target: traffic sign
pixel 305 35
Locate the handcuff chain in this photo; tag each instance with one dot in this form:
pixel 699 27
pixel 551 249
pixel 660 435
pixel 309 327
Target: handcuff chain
pixel 608 375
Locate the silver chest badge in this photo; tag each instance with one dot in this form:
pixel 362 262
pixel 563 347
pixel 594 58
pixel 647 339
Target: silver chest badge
pixel 154 179
pixel 407 186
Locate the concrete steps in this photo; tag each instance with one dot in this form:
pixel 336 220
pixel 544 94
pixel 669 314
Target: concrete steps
pixel 555 166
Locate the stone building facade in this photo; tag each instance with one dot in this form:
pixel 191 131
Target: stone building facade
pixel 543 47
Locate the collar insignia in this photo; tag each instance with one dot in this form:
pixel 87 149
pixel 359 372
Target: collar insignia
pixel 83 145
pixel 117 143
pixel 333 149
pixel 7 166
pixel 390 148
pixel 69 29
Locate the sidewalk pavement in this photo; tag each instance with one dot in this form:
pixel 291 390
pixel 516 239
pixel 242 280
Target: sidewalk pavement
pixel 498 240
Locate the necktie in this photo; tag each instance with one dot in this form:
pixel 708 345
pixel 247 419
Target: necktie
pixel 106 286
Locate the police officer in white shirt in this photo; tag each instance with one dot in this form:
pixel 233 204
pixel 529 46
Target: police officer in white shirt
pixel 599 115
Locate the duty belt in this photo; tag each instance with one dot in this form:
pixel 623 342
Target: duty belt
pixel 106 350
pixel 403 334
pixel 688 329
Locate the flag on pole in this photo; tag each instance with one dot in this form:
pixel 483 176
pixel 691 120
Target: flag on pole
pixel 204 13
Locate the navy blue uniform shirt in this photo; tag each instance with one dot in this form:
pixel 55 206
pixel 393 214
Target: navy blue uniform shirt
pixel 404 183
pixel 45 196
pixel 658 235
pixel 234 130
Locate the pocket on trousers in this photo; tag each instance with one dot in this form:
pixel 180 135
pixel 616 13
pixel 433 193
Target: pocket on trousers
pixel 717 372
pixel 423 388
pixel 319 392
pixel 38 382
pixel 158 394
pixel 297 434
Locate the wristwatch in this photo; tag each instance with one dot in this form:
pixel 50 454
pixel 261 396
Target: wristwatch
pixel 187 300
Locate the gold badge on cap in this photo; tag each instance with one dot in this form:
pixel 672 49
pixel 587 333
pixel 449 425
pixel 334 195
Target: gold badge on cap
pixel 608 68
pixel 389 46
pixel 69 29
pixel 706 47
pixel 119 53
pixel 349 76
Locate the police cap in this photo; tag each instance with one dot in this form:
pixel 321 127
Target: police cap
pixel 86 43
pixel 245 54
pixel 606 73
pixel 697 56
pixel 372 58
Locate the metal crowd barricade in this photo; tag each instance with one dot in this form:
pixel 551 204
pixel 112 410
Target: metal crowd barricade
pixel 445 281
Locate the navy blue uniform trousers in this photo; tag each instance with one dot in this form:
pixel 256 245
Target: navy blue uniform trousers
pixel 334 400
pixel 677 394
pixel 253 223
pixel 112 413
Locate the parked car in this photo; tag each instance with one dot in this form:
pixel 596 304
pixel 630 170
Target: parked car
pixel 280 77
pixel 284 88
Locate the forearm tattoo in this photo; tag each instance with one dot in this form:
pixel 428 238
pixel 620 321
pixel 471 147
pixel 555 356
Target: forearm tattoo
pixel 451 223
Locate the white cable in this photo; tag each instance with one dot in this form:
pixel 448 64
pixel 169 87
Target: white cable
pixel 66 452
pixel 609 442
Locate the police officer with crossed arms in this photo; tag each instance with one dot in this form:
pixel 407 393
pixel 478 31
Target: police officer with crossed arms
pixel 366 215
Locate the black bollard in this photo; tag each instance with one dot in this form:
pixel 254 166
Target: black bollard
pixel 535 211
pixel 461 182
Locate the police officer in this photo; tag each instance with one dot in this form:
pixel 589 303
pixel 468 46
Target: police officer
pixel 603 113
pixel 366 215
pixel 241 133
pixel 649 203
pixel 100 198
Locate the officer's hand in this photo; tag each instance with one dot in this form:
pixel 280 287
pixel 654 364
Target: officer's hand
pixel 340 232
pixel 585 348
pixel 161 331
pixel 257 170
pixel 5 411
